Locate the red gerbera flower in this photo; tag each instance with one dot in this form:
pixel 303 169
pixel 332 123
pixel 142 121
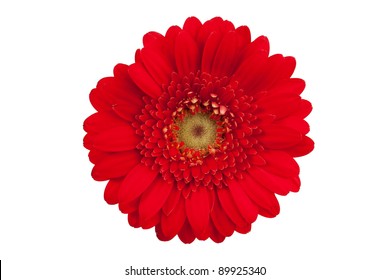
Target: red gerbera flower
pixel 198 135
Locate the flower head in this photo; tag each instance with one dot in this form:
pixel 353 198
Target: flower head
pixel 198 134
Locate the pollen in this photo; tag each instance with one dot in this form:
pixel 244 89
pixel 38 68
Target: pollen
pixel 197 131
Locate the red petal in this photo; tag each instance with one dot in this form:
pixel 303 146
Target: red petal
pixel 111 191
pixel 207 28
pixel 186 234
pixel 243 36
pixel 153 199
pixel 157 64
pixel 95 155
pixel 100 121
pixel 171 201
pixel 247 209
pixel 151 222
pixel 133 219
pixel 288 68
pixel 229 206
pixel 272 70
pixel 215 235
pixel 210 48
pixel 120 138
pixel 295 123
pixel 195 171
pixel 143 80
pixel 171 224
pixel 304 109
pixel 279 68
pixel 257 160
pixel 279 106
pixel 115 165
pixel 99 101
pixel 151 37
pixel 186 54
pixel 279 137
pixel 262 197
pixel 192 26
pixel 125 111
pixel 198 210
pixel 259 46
pixel 301 149
pixel 171 36
pixel 293 86
pixel 121 91
pixel 244 229
pixel 129 207
pixel 250 71
pixel 221 221
pixel 274 183
pixel 131 92
pixel 136 182
pixel 160 235
pixel 280 163
pixel 226 56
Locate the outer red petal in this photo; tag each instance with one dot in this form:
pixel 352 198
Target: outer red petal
pixel 247 209
pixel 115 165
pixel 280 163
pixel 221 221
pixel 120 89
pixel 215 235
pixel 111 191
pixel 151 222
pixel 117 139
pixel 279 137
pixel 171 36
pixel 303 148
pixel 151 37
pixel 99 101
pixel 186 54
pixel 274 183
pixel 293 86
pixel 259 46
pixel 144 81
pixel 172 223
pixel 304 109
pixel 244 229
pixel 129 207
pixel 271 72
pixel 210 48
pixel 265 199
pixel 279 106
pixel 101 121
pixel 133 219
pixel 160 235
pixel 230 207
pixel 171 201
pixel 198 210
pixel 136 182
pixel 225 58
pixel 192 26
pixel 250 71
pixel 186 234
pixel 157 64
pixel 153 199
pixel 207 28
pixel 295 123
pixel 243 36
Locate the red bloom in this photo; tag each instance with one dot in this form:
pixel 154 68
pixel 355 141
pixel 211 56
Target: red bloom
pixel 198 135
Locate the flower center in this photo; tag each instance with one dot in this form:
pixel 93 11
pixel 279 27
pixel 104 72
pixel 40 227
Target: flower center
pixel 197 131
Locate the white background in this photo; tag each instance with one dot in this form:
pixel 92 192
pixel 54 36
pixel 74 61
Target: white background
pixel 54 223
